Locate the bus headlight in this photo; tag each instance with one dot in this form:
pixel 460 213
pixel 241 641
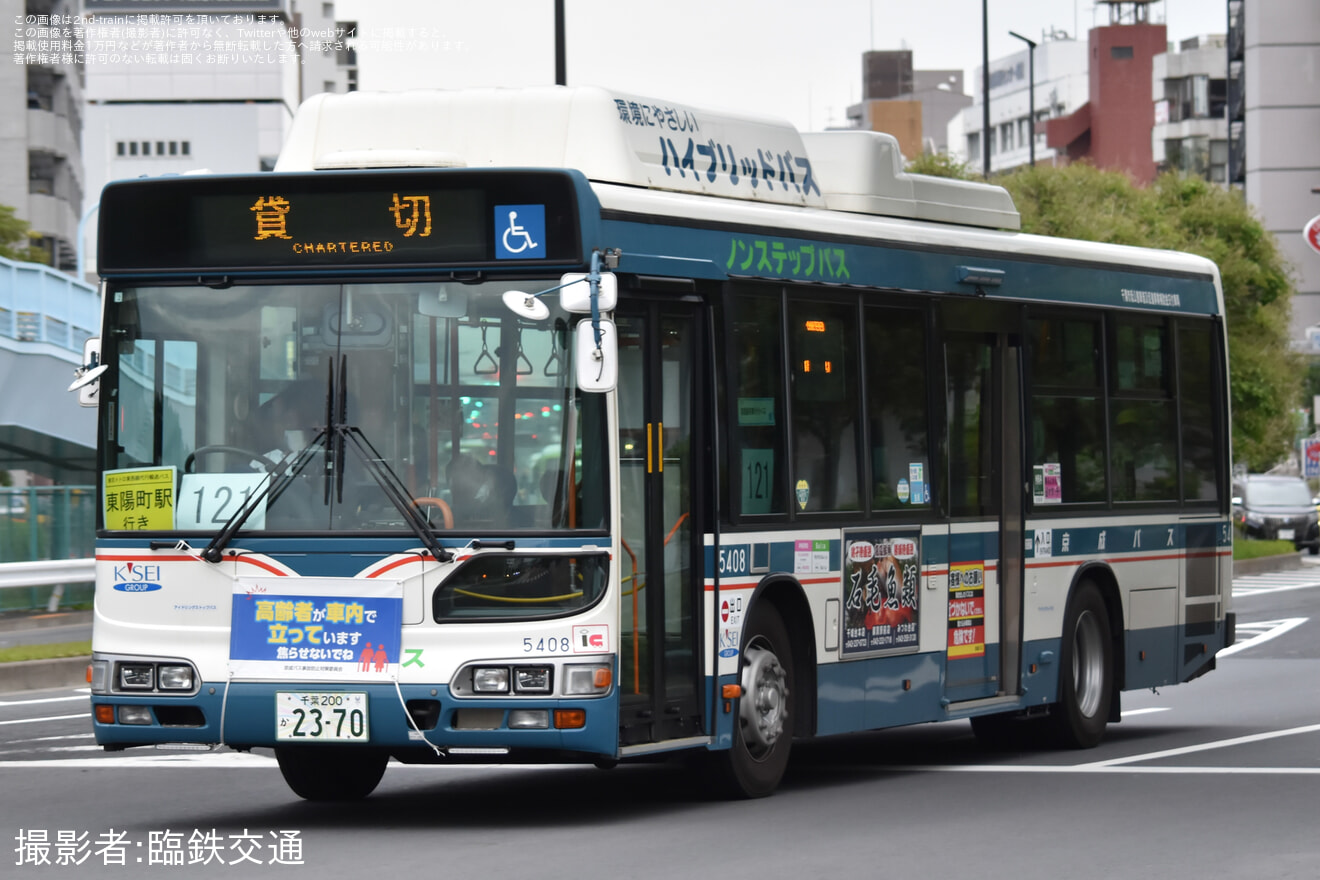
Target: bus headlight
pixel 588 680
pixel 490 679
pixel 175 678
pixel 531 679
pixel 136 676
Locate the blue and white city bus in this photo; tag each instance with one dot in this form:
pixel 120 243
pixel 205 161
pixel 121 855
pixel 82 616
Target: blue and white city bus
pixel 564 425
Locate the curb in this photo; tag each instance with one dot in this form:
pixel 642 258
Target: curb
pixel 31 675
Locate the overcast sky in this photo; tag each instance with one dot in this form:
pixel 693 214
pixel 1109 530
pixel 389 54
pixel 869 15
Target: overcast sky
pixel 794 59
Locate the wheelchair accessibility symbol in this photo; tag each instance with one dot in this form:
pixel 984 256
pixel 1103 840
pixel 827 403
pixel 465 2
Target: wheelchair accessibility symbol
pixel 519 232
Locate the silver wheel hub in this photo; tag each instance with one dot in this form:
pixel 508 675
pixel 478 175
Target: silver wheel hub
pixel 1088 658
pixel 763 708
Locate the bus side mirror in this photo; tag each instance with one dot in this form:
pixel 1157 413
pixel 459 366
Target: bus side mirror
pixel 597 367
pixel 87 378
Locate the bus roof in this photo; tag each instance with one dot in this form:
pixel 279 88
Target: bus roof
pixel 625 139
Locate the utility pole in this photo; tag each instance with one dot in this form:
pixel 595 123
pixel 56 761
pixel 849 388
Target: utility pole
pixel 1031 94
pixel 985 89
pixel 561 62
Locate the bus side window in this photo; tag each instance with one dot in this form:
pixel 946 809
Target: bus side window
pixel 1143 456
pixel 895 353
pixel 824 368
pixel 1067 398
pixel 758 434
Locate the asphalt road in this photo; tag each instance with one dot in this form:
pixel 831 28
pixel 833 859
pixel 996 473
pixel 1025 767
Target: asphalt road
pixel 1217 777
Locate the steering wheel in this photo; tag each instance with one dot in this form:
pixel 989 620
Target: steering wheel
pixel 440 503
pixel 227 450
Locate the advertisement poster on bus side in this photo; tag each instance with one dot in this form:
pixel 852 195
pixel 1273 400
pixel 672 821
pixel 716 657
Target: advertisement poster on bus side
pixel 334 629
pixel 881 590
pixel 966 610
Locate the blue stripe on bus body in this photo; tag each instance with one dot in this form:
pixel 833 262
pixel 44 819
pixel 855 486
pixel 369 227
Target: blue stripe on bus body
pixel 653 247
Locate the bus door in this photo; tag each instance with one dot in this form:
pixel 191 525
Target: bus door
pixel 983 408
pixel 661 372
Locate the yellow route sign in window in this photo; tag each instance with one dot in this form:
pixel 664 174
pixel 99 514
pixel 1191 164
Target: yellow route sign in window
pixel 139 499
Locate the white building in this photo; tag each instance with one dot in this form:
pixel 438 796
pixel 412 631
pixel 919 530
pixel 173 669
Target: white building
pixel 1061 87
pixel 1190 90
pixel 41 120
pixel 186 91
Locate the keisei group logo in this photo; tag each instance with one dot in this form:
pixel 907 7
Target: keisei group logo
pixel 136 577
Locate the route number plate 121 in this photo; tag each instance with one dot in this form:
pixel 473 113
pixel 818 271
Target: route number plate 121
pixel 321 717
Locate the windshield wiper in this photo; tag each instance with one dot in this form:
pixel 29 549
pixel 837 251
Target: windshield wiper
pixel 279 479
pixel 335 437
pixel 350 436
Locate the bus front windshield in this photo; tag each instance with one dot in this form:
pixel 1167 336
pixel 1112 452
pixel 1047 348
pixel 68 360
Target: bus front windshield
pixel 471 409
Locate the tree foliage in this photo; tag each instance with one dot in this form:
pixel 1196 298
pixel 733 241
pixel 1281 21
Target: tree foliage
pixel 1189 214
pixel 16 238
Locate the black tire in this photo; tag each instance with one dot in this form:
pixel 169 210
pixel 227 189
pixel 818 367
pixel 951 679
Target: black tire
pixel 328 773
pixel 1086 672
pixel 1313 549
pixel 763 727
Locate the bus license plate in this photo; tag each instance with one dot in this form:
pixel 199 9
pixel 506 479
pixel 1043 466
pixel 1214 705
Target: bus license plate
pixel 1285 534
pixel 320 717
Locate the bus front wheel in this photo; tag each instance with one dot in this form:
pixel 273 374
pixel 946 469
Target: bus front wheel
pixel 1086 671
pixel 326 773
pixel 763 729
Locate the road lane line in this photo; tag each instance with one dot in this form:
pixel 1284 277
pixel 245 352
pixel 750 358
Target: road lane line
pixel 1095 768
pixel 83 715
pixel 1202 747
pixel 44 700
pixel 1130 712
pixel 1279 629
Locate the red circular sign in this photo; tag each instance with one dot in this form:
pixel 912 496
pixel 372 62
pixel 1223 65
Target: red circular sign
pixel 1312 233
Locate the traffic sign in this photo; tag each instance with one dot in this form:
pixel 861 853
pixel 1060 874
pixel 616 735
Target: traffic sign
pixel 1311 231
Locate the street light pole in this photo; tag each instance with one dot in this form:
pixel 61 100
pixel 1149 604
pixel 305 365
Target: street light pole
pixel 1031 94
pixel 82 233
pixel 985 89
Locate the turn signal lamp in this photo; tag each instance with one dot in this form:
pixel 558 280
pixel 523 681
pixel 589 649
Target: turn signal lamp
pixel 104 714
pixel 570 719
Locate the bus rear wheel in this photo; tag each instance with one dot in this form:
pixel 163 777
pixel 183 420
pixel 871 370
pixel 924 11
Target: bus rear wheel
pixel 763 730
pixel 1086 672
pixel 327 773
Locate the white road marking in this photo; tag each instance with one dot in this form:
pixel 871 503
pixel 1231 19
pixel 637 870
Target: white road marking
pixel 1273 629
pixel 1274 582
pixel 1130 712
pixel 50 718
pixel 1202 747
pixel 37 739
pixel 1098 768
pixel 43 700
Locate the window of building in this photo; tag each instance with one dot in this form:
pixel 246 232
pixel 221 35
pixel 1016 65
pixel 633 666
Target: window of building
pixel 174 148
pixel 146 148
pixel 160 148
pixel 1120 53
pixel 132 148
pixel 119 148
pixel 185 147
pixel 974 145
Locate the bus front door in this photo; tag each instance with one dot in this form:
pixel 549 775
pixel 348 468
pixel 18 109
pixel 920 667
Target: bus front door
pixel 983 408
pixel 660 376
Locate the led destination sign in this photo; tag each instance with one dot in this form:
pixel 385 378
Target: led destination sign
pixel 381 219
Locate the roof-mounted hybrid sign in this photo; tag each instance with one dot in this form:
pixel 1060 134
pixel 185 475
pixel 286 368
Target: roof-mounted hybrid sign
pixel 611 137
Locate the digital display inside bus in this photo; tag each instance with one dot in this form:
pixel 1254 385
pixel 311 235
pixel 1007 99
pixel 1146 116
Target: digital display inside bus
pixel 351 219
